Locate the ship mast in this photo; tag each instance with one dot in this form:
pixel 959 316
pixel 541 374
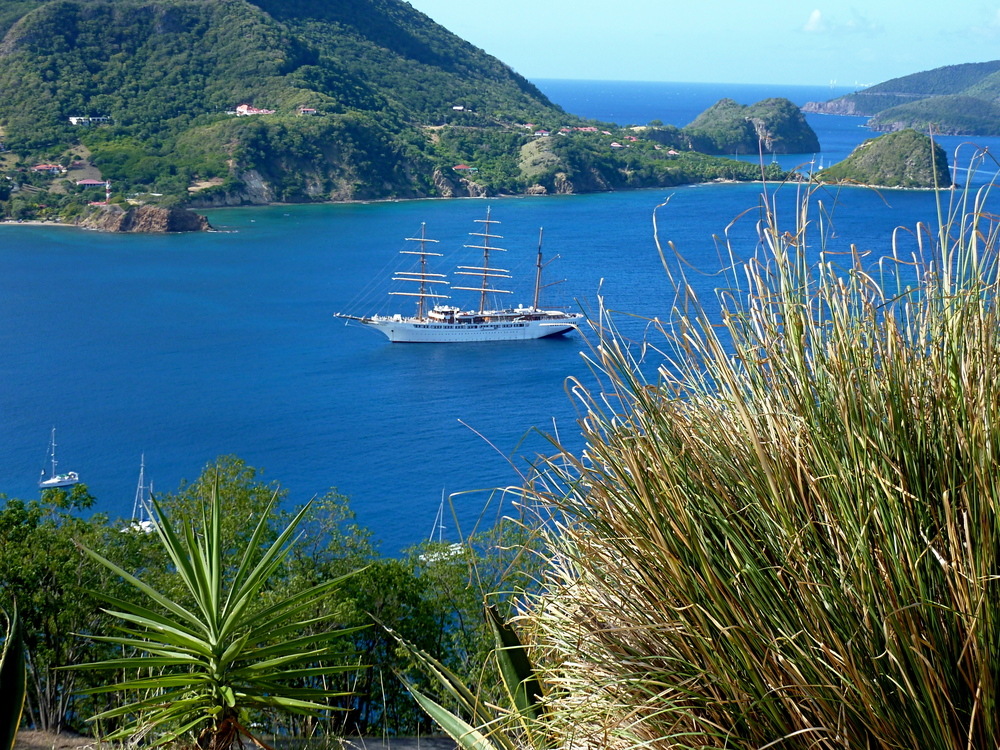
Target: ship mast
pixel 485 273
pixel 538 272
pixel 423 277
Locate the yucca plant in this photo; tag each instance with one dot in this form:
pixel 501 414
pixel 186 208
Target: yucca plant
pixel 519 721
pixel 13 682
pixel 197 663
pixel 789 535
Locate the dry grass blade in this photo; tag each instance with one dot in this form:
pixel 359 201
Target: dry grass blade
pixel 789 537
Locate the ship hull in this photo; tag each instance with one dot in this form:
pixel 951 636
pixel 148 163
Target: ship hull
pixel 403 331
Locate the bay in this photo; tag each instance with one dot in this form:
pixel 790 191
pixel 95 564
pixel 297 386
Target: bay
pixel 189 347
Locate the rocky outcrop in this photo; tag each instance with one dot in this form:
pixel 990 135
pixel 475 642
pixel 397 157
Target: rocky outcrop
pixel 841 106
pixel 150 219
pixel 773 125
pixel 445 187
pixel 562 184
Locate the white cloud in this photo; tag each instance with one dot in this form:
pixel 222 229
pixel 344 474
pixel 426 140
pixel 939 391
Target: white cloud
pixel 818 23
pixel 815 23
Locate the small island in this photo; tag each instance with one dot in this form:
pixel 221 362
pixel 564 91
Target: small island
pixel 906 159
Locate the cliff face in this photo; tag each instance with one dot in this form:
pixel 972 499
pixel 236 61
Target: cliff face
pixel 151 219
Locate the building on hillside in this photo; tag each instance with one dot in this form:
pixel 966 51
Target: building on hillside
pixel 307 111
pixel 97 120
pixel 249 109
pixel 48 168
pixel 90 183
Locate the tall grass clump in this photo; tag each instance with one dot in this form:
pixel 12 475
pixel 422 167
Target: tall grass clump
pixel 788 536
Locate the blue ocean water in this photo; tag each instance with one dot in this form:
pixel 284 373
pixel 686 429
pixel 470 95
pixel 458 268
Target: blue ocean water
pixel 673 103
pixel 188 347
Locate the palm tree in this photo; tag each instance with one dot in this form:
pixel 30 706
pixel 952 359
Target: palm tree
pixel 197 662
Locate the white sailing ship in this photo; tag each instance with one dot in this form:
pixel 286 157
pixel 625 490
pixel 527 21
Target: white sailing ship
pixel 54 479
pixel 438 322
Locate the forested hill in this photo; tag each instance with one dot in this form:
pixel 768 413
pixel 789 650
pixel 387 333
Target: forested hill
pixel 344 99
pixel 954 99
pixel 146 62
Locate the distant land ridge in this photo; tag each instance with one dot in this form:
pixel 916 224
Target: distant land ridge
pixel 951 100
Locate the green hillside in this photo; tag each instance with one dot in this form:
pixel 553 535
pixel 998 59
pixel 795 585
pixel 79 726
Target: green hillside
pixel 902 159
pixel 952 100
pixel 357 99
pixel 774 125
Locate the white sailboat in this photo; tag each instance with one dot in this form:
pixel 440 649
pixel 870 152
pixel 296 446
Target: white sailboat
pixel 55 479
pixel 436 322
pixel 141 505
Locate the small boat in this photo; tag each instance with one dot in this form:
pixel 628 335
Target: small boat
pixel 140 506
pixel 437 322
pixel 56 480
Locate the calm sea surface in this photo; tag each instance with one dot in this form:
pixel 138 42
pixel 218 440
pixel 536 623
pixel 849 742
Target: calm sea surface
pixel 189 347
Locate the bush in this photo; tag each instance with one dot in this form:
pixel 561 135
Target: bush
pixel 788 535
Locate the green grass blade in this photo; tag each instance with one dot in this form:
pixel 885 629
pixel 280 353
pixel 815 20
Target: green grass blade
pixel 515 667
pixel 466 735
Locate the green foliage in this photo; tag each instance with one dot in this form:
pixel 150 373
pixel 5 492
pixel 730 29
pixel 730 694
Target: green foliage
pixel 903 159
pixel 433 595
pixel 167 72
pixel 12 682
pixel 47 579
pixel 199 660
pixel 943 115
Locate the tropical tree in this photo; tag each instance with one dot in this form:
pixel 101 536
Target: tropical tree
pixel 12 683
pixel 222 645
pixel 48 580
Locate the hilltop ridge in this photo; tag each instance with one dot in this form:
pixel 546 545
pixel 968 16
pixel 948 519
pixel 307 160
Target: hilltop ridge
pixel 950 100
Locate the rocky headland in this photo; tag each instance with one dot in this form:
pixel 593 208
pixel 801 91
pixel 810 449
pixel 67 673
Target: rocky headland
pixel 148 219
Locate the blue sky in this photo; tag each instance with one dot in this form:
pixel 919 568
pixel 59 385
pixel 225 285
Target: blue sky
pixel 725 41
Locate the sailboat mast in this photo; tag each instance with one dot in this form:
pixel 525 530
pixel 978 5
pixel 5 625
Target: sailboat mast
pixel 423 270
pixel 424 278
pixel 486 256
pixel 140 492
pixel 53 449
pixel 538 271
pixel 484 273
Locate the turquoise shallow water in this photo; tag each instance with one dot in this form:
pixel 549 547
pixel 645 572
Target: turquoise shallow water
pixel 188 347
